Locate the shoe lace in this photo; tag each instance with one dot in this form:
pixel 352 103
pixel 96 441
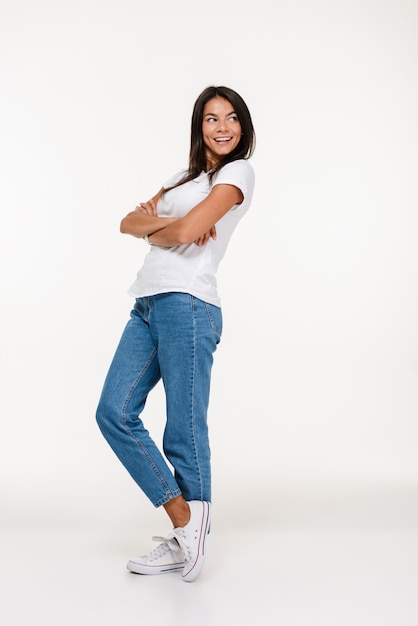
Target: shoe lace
pixel 180 535
pixel 167 543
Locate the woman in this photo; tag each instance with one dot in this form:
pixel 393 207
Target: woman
pixel 175 326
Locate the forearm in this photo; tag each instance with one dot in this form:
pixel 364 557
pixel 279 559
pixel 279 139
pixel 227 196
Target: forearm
pixel 169 236
pixel 138 224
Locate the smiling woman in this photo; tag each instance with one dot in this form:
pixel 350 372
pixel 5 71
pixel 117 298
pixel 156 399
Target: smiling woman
pixel 176 325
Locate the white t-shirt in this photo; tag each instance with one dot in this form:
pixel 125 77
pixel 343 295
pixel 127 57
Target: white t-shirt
pixel 190 268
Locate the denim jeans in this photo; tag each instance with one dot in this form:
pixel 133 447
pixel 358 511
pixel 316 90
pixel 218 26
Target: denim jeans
pixel 169 336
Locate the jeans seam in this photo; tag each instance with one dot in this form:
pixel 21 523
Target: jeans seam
pixel 195 451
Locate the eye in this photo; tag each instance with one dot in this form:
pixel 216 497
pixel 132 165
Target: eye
pixel 211 119
pixel 233 118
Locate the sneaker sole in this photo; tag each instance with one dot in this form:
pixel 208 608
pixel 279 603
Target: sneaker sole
pixel 153 570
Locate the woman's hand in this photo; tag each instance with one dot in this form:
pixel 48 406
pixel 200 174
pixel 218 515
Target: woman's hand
pixel 202 241
pixel 148 208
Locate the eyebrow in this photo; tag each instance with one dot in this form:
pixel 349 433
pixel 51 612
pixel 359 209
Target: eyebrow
pixel 214 114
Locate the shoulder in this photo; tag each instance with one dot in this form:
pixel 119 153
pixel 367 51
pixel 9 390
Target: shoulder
pixel 240 166
pixel 239 173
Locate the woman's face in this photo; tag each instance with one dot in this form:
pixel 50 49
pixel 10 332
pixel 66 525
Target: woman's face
pixel 221 130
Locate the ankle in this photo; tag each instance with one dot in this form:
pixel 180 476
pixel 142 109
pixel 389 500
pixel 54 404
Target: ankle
pixel 178 511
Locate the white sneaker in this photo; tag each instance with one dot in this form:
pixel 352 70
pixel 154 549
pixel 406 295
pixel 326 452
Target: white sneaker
pixel 192 538
pixel 167 557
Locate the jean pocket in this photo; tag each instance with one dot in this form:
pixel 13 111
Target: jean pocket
pixel 215 318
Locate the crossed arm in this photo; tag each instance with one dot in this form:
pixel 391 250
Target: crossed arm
pixel 197 226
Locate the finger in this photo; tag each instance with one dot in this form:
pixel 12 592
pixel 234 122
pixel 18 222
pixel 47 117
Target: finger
pixel 153 206
pixel 147 208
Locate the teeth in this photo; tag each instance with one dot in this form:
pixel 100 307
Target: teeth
pixel 222 140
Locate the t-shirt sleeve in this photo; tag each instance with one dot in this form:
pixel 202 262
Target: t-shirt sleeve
pixel 240 174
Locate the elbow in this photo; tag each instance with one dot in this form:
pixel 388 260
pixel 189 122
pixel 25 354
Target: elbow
pixel 183 241
pixel 183 235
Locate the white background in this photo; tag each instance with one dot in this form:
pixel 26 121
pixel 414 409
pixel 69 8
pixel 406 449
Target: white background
pixel 315 381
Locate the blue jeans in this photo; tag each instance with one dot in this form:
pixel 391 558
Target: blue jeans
pixel 172 337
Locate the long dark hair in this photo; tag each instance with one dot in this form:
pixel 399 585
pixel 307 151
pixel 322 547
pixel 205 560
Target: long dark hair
pixel 197 155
